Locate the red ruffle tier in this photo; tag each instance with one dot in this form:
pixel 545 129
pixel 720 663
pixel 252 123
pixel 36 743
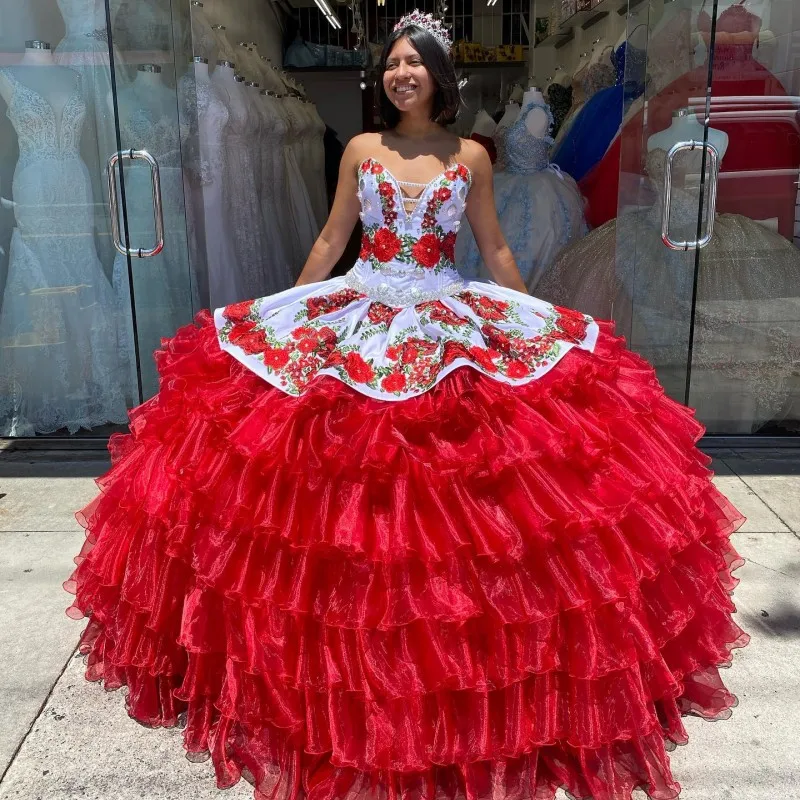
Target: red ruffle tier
pixel 485 592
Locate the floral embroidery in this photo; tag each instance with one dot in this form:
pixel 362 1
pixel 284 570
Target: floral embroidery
pixel 435 248
pixel 494 335
pixel 326 304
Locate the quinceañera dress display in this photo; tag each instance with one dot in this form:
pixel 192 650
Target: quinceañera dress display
pixel 398 534
pixel 539 207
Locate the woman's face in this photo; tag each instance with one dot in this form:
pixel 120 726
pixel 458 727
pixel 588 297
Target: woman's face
pixel 406 80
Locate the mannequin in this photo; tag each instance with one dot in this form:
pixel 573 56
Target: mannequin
pixel 686 128
pixel 601 51
pixel 64 373
pixel 225 51
pixel 540 209
pixel 510 114
pixel 561 77
pixel 483 130
pixel 536 120
pixel 161 285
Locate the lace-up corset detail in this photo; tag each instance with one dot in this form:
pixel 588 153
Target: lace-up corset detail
pixel 522 151
pixel 407 256
pixel 41 133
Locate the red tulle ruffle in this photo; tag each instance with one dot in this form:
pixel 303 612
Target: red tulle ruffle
pixel 485 591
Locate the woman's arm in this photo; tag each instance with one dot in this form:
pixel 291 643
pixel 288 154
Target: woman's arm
pixel 333 239
pixel 482 216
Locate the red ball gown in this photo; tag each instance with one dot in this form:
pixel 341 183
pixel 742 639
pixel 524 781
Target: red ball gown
pixel 398 534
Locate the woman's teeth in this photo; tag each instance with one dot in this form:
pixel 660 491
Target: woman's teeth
pixel 404 89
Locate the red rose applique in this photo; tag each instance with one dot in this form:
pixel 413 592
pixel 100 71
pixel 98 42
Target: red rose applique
pixel 571 324
pixel 358 369
pixel 443 194
pixel 427 251
pixel 386 245
pixel 379 313
pixel 245 336
pixel 276 357
pixel 335 359
pixel 449 246
pixel 452 351
pixel 450 174
pixel 394 382
pixel 238 312
pixel 517 369
pixel 484 358
pixel 366 248
pixel 376 168
pixel 463 172
pixel 386 189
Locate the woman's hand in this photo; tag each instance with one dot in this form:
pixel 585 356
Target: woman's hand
pixel 333 239
pixel 482 216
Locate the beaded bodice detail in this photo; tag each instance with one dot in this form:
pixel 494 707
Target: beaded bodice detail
pixel 42 131
pixel 408 248
pixel 524 153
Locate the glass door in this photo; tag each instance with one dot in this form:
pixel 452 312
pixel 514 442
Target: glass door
pixel 153 275
pixel 745 364
pixel 85 296
pixel 667 186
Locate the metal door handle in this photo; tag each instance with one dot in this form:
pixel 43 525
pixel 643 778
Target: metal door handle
pixel 113 202
pixel 713 155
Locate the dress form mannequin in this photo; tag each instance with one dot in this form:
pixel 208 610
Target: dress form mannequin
pixel 536 120
pixel 685 128
pixel 64 370
pixel 600 51
pixel 561 77
pixel 484 125
pixel 509 115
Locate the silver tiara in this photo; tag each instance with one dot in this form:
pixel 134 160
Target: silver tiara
pixel 428 22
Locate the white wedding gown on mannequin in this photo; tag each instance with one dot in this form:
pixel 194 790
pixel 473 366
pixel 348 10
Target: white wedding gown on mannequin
pixel 164 294
pixel 84 49
pixel 59 359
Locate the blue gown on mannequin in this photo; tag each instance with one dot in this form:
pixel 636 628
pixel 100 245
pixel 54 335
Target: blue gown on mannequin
pixel 540 209
pixel 598 121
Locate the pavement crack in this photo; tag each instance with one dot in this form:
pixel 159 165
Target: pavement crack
pixel 36 717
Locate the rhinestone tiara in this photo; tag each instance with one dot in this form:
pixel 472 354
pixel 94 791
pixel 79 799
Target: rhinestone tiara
pixel 428 22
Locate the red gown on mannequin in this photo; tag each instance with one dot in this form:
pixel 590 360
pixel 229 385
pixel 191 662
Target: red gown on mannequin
pixel 764 136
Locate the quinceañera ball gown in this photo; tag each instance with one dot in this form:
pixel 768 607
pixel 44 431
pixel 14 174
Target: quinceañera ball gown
pixel 398 534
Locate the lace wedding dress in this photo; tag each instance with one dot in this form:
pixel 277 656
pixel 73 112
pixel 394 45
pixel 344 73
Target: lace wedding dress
pixel 540 209
pixel 746 348
pixel 84 49
pixel 404 535
pixel 59 359
pixel 164 293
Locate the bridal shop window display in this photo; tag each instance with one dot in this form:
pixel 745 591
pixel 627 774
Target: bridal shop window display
pixel 164 298
pixel 59 360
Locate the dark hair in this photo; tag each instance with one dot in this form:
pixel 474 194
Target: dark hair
pixel 437 61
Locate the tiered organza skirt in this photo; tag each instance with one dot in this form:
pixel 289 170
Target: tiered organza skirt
pixel 484 592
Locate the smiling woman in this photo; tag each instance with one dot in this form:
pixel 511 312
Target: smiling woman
pixel 414 68
pixel 400 534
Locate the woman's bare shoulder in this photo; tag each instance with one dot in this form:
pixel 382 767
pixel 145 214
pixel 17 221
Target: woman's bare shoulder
pixel 474 155
pixel 363 145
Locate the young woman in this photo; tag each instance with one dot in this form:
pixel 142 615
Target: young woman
pixel 395 534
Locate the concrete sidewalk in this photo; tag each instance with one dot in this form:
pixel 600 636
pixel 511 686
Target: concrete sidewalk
pixel 64 739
